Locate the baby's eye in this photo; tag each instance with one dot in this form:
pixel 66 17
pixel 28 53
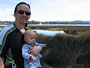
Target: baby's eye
pixel 31 38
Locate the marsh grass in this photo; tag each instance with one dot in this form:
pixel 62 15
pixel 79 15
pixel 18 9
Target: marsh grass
pixel 66 51
pixel 55 29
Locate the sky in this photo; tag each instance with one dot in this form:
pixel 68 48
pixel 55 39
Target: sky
pixel 48 10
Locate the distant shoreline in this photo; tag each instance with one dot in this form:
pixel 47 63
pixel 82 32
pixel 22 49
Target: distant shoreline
pixel 63 26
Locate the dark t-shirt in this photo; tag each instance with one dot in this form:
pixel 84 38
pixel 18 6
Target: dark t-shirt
pixel 13 40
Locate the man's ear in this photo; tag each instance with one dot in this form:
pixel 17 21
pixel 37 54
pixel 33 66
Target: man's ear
pixel 14 14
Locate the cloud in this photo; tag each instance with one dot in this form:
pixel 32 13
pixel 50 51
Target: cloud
pixel 52 9
pixel 7 15
pixel 20 1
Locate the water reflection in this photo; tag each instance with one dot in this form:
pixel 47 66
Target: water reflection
pixel 48 33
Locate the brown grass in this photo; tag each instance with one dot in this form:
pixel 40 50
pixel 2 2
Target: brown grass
pixel 67 51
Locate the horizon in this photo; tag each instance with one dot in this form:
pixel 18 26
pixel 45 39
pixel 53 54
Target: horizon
pixel 49 10
pixel 52 21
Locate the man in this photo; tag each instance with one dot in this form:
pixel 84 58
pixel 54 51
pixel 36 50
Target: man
pixel 11 37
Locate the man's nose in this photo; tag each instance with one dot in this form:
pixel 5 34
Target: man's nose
pixel 24 14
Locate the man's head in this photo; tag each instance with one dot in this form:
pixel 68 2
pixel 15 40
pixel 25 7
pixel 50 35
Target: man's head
pixel 20 4
pixel 22 12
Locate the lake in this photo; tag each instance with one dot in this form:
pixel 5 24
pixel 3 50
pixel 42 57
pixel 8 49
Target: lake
pixel 58 24
pixel 47 32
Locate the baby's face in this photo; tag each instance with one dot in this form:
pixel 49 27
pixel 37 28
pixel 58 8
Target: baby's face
pixel 30 39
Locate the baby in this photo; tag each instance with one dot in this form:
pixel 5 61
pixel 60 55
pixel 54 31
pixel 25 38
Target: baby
pixel 31 61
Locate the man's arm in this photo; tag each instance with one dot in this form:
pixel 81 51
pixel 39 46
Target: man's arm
pixel 1 63
pixel 4 50
pixel 3 43
pixel 35 50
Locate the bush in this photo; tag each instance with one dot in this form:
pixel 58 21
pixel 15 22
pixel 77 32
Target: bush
pixel 66 51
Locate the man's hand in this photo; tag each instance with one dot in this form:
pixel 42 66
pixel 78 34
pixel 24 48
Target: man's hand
pixel 35 50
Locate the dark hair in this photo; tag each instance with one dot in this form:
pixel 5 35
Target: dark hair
pixel 20 4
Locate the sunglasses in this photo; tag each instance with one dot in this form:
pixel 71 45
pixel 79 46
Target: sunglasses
pixel 26 12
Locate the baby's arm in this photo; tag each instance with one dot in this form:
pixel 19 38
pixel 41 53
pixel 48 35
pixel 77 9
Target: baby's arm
pixel 33 58
pixel 26 55
pixel 41 45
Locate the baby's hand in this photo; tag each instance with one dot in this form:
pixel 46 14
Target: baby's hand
pixel 34 58
pixel 45 45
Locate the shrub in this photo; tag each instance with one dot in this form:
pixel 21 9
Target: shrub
pixel 66 51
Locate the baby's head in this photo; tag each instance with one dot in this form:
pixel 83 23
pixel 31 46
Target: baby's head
pixel 29 37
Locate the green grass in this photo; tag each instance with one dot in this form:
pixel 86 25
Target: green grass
pixel 55 29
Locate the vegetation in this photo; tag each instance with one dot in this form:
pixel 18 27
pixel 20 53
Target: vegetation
pixel 66 51
pixel 55 29
pixel 73 31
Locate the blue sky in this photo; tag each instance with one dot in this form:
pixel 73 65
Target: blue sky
pixel 49 10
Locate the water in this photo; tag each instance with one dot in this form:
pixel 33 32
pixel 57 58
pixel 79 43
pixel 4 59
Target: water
pixel 58 24
pixel 0 29
pixel 48 33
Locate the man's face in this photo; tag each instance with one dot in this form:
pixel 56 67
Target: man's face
pixel 22 14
